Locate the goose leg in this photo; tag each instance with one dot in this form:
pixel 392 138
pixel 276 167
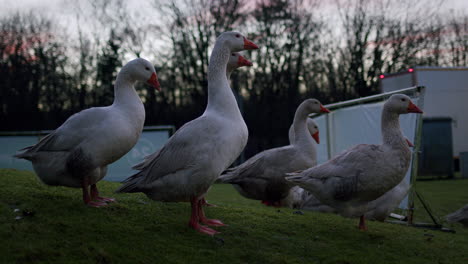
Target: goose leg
pixel 86 197
pixel 362 223
pixel 205 203
pixel 269 203
pixel 203 219
pixel 194 219
pixel 95 195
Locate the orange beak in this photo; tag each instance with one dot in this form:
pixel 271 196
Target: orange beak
pixel 409 143
pixel 412 108
pixel 316 137
pixel 153 80
pixel 249 45
pixel 243 62
pixel 323 109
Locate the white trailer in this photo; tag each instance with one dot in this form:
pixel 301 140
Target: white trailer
pixel 446 95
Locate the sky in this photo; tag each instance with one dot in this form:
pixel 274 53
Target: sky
pixel 62 7
pixel 64 11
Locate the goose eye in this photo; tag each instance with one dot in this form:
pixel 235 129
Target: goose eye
pixel 403 99
pixel 237 36
pixel 147 68
pixel 233 55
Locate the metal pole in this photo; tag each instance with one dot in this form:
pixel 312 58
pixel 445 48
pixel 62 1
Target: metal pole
pixel 416 154
pixel 329 137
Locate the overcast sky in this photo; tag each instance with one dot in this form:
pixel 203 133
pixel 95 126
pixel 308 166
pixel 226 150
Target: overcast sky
pixel 64 10
pixel 60 7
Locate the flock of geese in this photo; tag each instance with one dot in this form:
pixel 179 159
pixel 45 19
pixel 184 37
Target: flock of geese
pixel 77 153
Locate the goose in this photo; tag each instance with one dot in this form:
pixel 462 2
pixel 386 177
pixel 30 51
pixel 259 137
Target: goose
pixel 312 127
pixel 262 176
pixel 193 158
pixel 361 174
pixel 383 206
pixel 378 209
pixel 460 216
pixel 297 196
pixel 235 61
pixel 77 153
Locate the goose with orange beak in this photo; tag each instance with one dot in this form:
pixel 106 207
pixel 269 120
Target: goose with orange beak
pixel 193 158
pixel 363 173
pixel 77 153
pixel 262 176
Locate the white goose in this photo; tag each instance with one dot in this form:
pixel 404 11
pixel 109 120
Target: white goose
pixel 312 127
pixel 235 61
pixel 262 176
pixel 361 174
pixel 194 157
pixel 383 206
pixel 77 153
pixel 378 209
pixel 460 216
pixel 297 196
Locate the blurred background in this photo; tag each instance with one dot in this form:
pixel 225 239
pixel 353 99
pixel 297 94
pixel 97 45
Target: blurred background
pixel 58 57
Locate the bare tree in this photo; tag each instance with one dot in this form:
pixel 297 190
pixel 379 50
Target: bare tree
pixel 287 32
pixel 33 78
pixel 191 28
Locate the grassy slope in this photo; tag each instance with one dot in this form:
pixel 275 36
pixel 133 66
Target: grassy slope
pixel 137 230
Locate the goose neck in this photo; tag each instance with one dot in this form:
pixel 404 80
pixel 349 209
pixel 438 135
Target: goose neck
pixel 124 90
pixel 217 68
pixel 127 99
pixel 220 96
pixel 228 74
pixel 390 128
pixel 301 133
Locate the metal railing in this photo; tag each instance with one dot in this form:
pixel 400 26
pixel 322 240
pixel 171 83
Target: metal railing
pixel 374 98
pixel 40 133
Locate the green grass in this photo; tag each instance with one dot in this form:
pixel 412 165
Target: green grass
pixel 442 196
pixel 138 230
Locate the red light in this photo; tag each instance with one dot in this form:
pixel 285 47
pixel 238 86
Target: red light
pixel 381 76
pixel 410 70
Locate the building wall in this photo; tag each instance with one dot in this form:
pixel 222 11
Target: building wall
pixel 446 96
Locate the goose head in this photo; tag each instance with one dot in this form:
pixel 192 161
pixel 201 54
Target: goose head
pixel 313 130
pixel 401 104
pixel 142 70
pixel 236 41
pixel 311 127
pixel 236 61
pixel 314 106
pixel 305 108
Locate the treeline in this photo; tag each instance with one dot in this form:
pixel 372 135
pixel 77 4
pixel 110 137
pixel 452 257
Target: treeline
pixel 47 74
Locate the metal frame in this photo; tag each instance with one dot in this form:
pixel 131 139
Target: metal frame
pixel 40 133
pixel 373 98
pixel 415 90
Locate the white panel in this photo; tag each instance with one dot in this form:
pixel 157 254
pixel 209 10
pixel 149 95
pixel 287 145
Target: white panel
pixel 322 152
pixel 392 83
pixel 149 142
pixel 446 96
